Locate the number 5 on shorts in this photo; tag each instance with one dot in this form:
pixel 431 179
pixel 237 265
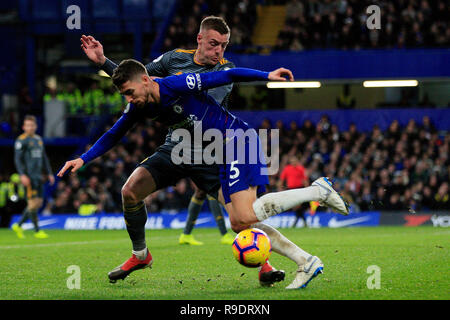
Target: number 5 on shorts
pixel 234 172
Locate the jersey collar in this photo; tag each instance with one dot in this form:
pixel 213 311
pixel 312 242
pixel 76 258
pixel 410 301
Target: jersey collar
pixel 196 61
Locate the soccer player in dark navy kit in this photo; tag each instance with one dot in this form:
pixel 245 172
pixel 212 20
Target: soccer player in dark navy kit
pixel 31 161
pixel 182 102
pixel 212 41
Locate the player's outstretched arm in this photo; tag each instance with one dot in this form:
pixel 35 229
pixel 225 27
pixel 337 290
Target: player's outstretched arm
pixel 108 140
pixel 281 74
pixel 93 49
pixel 74 164
pixel 208 80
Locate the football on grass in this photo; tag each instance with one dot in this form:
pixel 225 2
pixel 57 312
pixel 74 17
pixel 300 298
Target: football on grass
pixel 252 247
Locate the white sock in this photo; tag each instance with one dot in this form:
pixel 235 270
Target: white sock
pixel 282 245
pixel 276 202
pixel 141 254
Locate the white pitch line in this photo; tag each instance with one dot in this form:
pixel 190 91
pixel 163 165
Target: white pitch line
pixel 55 244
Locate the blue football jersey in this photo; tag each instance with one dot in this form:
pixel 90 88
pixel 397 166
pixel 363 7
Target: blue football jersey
pixel 183 100
pixel 186 95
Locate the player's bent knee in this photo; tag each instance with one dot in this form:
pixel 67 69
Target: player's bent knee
pixel 236 227
pixel 244 220
pixel 128 194
pixel 235 224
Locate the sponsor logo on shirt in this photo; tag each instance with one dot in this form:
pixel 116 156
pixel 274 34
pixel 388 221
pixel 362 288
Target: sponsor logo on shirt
pixel 190 81
pixel 199 81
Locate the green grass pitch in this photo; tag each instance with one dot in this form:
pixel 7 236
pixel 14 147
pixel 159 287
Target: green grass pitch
pixel 414 263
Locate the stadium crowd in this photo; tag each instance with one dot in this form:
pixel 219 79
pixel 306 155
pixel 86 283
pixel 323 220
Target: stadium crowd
pixel 239 14
pixel 342 24
pixel 402 168
pixel 320 24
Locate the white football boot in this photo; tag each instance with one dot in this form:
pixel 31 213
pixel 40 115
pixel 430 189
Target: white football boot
pixel 333 200
pixel 306 273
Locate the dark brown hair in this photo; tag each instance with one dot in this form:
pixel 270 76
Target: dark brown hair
pixel 127 70
pixel 215 23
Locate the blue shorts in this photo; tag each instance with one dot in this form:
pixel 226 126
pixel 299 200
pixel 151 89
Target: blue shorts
pixel 245 165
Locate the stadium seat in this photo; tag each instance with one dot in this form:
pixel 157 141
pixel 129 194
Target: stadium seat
pixel 106 9
pixel 46 9
pixel 137 9
pixel 138 15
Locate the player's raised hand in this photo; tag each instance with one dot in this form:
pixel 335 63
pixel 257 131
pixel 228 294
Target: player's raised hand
pixel 93 49
pixel 74 164
pixel 280 74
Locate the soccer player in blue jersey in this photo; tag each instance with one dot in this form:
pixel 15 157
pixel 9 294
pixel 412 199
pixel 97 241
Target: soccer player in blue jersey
pixel 182 102
pixel 212 41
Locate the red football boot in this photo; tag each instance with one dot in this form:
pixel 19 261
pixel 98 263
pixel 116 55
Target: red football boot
pixel 268 275
pixel 132 264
